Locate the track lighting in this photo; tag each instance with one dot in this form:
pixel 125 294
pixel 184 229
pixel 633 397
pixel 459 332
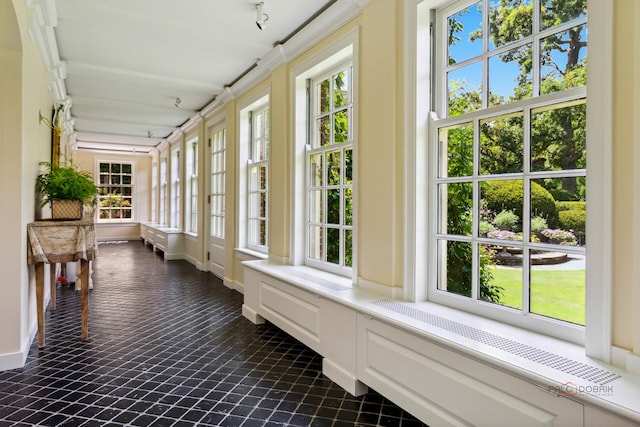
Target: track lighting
pixel 261 18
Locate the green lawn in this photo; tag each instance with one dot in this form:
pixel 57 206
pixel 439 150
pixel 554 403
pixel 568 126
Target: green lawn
pixel 554 293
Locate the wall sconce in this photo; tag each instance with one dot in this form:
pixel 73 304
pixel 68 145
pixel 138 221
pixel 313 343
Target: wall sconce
pixel 261 18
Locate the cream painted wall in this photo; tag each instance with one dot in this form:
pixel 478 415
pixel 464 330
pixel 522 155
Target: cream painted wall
pixel 379 164
pixel 625 219
pixel 279 190
pixel 23 143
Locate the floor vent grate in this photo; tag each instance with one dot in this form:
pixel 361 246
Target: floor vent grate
pixel 546 358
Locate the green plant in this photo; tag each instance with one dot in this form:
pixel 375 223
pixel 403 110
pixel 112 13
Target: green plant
pixel 538 224
pixel 485 227
pixel 506 220
pixel 65 182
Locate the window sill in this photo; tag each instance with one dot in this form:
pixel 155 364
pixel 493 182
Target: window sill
pixel 557 367
pixel 245 254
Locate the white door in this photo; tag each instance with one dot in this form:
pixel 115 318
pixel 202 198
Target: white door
pixel 215 254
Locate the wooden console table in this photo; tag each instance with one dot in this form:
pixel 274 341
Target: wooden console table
pixel 53 242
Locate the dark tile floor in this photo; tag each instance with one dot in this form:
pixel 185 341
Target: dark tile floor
pixel 168 347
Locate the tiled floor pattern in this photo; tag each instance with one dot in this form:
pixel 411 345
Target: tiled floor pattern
pixel 168 347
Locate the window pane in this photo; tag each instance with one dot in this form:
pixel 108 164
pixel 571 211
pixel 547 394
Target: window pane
pixel 455 267
pixel 333 168
pixel 253 178
pixel 501 275
pixel 333 206
pixel 456 151
pixel 333 245
pixel 126 180
pixel 465 89
pixel 324 131
pixel 315 206
pixel 558 286
pixel 562 62
pixel 465 34
pixel 501 204
pixel 262 236
pixel 348 248
pixel 341 126
pixel 264 176
pixel 510 21
pixel 558 138
pixel 315 170
pixel 559 215
pixel 501 144
pixel 348 166
pixel 315 242
pixel 556 12
pixel 323 97
pixel 263 205
pixel 341 89
pixel 115 179
pixel 115 168
pixel 510 76
pixel 458 216
pixel 126 168
pixel 348 206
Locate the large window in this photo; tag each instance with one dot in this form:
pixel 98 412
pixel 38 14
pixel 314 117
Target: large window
pixel 191 215
pixel 329 165
pixel 509 139
pixel 115 199
pixel 218 152
pixel 154 190
pixel 162 218
pixel 175 189
pixel 258 180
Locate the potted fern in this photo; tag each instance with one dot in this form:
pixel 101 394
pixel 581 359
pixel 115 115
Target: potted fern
pixel 67 189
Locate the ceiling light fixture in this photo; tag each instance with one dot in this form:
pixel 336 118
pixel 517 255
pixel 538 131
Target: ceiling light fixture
pixel 261 18
pixel 178 102
pixel 149 134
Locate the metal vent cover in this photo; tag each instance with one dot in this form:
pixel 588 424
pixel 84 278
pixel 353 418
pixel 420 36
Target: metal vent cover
pixel 543 357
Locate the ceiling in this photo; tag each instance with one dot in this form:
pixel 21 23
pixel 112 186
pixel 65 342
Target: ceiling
pixel 131 72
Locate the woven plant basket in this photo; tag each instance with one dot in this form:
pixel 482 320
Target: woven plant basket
pixel 64 209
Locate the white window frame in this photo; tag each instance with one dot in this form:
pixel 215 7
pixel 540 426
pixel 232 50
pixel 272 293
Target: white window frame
pixel 154 190
pixel 418 98
pixel 175 190
pixel 218 138
pixel 340 52
pixel 164 185
pixel 259 101
pixel 191 187
pixel 131 198
pixel 313 149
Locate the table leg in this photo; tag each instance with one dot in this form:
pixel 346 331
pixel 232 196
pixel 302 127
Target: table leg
pixel 52 279
pixel 84 298
pixel 40 301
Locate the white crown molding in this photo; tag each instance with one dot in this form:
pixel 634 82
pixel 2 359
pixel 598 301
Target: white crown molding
pixel 220 100
pixel 191 123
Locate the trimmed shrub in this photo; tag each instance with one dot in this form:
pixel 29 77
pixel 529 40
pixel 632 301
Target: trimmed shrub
pixel 574 219
pixel 568 206
pixel 509 195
